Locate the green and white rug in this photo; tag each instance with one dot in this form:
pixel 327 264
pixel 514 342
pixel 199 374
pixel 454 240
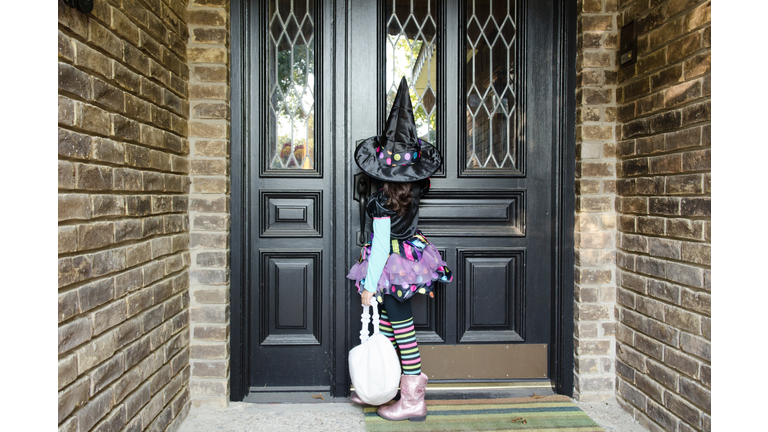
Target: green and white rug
pixel 554 413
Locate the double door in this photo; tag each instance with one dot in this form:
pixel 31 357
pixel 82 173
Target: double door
pixel 317 77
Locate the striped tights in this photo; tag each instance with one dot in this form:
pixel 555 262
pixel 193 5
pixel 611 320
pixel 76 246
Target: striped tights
pixel 400 330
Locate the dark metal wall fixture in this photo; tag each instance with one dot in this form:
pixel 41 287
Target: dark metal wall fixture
pixel 628 44
pixel 84 6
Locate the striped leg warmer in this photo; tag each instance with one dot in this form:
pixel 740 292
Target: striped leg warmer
pixel 405 335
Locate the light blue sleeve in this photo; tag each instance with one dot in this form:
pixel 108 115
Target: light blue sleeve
pixel 379 252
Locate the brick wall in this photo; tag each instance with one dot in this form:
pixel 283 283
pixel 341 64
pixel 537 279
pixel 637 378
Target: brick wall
pixel 663 337
pixel 208 53
pixel 595 254
pixel 123 329
pixel 128 178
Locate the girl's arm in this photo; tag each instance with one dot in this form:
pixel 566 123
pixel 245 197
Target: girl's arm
pixel 379 252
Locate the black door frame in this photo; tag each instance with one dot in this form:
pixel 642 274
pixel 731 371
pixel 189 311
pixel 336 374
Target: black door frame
pixel 242 206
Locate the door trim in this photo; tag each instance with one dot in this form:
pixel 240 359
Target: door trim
pixel 564 78
pixel 561 362
pixel 240 216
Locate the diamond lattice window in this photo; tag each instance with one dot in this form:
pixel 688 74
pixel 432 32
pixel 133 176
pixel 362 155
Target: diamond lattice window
pixel 489 86
pixel 411 53
pixel 291 85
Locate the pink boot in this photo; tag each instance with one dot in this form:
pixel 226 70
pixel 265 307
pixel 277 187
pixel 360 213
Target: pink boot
pixel 356 399
pixel 411 405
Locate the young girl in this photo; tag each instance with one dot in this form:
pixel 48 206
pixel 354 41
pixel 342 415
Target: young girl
pixel 399 262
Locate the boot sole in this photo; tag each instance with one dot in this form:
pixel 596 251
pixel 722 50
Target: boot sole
pixel 413 419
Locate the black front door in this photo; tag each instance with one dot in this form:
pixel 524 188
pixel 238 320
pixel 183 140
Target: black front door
pixel 487 89
pixel 480 77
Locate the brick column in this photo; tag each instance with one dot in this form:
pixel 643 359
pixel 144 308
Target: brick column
pixel 208 53
pixel 595 234
pixel 664 303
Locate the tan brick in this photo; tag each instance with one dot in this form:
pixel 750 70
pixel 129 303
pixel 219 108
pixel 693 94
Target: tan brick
pixel 695 393
pixel 207 17
pixel 207 55
pixel 209 204
pixel 90 59
pixel 95 235
pixel 95 352
pixel 159 72
pixel 210 129
pixel 632 395
pixel 212 185
pixel 208 167
pixel 685 274
pixel 684 47
pixel 93 119
pixel 73 269
pixel 209 314
pixel 211 148
pixel 682 319
pixel 210 369
pixel 74 333
pixel 682 409
pixel 697 346
pixel 698 16
pixel 212 3
pixel 74 396
pixel 94 410
pixel 597 133
pixel 634 90
pixel 209 351
pixel 650 103
pixel 99 36
pixel 209 36
pixel 696 113
pixel 209 91
pixel 652 61
pixel 209 73
pixel 634 282
pixel 67 238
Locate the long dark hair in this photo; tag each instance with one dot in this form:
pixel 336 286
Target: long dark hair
pixel 399 197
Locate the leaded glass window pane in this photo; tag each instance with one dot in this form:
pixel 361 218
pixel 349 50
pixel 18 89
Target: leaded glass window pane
pixel 291 85
pixel 411 53
pixel 489 86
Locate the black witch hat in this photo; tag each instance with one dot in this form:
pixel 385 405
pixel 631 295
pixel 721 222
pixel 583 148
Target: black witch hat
pixel 398 155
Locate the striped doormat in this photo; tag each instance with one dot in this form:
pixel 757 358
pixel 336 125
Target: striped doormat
pixel 540 413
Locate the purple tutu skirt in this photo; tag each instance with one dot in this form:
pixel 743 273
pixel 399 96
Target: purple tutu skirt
pixel 413 266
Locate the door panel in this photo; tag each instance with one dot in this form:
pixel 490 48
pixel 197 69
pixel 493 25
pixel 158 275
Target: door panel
pixel 292 296
pixel 463 213
pixel 491 295
pixel 291 213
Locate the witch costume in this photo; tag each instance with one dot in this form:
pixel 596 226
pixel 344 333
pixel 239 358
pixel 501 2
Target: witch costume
pixel 398 261
pixel 413 264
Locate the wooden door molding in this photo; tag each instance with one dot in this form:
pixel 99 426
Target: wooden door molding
pixel 564 77
pixel 240 228
pixel 244 221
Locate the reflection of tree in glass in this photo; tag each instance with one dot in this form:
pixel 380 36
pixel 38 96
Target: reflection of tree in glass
pixel 302 64
pixel 402 54
pixel 295 106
